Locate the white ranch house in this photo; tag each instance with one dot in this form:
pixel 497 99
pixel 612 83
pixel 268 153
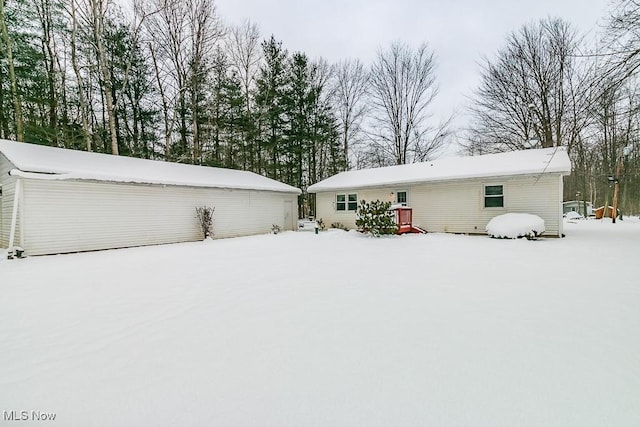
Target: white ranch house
pixel 54 200
pixel 455 195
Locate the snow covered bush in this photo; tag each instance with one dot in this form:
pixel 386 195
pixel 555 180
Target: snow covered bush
pixel 275 228
pixel 339 226
pixel 515 225
pixel 205 220
pixel 375 218
pixel 573 215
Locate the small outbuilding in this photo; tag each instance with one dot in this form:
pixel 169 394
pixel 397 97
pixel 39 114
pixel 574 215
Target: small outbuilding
pixel 582 207
pixel 603 212
pixel 54 200
pixel 455 195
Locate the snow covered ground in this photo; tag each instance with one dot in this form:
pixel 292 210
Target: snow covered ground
pixel 334 329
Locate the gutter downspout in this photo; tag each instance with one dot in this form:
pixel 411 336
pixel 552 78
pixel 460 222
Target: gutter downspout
pixel 14 218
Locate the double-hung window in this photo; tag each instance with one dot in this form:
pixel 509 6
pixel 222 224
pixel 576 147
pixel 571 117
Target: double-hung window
pixel 346 202
pixel 493 196
pixel 401 198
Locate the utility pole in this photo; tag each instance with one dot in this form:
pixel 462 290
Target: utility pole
pixel 616 180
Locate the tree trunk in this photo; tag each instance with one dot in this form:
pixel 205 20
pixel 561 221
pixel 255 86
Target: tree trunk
pixel 17 103
pixel 46 22
pixel 165 106
pixel 197 158
pixel 98 32
pixel 4 125
pixel 79 82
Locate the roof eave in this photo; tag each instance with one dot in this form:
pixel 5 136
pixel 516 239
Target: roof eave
pixel 321 189
pixel 47 176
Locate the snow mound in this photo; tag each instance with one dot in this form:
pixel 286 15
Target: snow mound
pixel 573 215
pixel 307 224
pixel 515 225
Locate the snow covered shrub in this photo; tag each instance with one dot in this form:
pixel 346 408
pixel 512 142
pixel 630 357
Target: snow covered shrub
pixel 275 228
pixel 515 225
pixel 573 215
pixel 339 226
pixel 375 218
pixel 205 220
pixel 320 223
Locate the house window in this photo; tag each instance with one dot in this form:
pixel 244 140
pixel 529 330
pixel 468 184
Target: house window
pixel 401 198
pixel 346 202
pixel 493 196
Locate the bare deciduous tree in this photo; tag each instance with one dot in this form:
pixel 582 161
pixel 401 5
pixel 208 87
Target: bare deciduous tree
pixel 183 36
pixel 84 111
pixel 93 15
pixel 243 47
pixel 206 31
pixel 621 43
pixel 525 96
pixel 43 10
pixel 8 43
pixel 403 85
pixel 349 91
pixel 96 11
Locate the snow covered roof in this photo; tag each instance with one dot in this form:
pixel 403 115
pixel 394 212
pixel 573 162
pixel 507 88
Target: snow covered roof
pixel 43 162
pixel 525 162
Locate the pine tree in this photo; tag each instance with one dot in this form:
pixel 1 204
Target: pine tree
pixel 135 115
pixel 375 218
pixel 271 88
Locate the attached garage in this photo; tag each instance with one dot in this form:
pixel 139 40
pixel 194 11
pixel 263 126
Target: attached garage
pixel 54 200
pixel 455 195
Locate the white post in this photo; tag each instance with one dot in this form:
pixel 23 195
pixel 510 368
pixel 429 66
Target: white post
pixel 22 219
pixel 14 215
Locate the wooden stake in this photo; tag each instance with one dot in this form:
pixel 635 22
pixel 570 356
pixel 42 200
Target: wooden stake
pixel 616 190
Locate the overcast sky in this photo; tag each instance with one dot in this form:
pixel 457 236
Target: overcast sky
pixel 461 32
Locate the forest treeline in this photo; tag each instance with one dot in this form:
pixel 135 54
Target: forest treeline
pixel 171 80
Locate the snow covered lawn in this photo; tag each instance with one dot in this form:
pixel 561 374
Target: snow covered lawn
pixel 334 329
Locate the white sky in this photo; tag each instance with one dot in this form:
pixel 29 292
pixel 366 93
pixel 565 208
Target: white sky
pixel 460 32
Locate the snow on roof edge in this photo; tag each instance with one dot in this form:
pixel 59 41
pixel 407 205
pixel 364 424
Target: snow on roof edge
pixel 54 163
pixel 406 174
pixel 319 189
pixel 131 180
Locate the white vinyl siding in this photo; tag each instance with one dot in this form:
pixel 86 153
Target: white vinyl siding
pixel 71 216
pixel 458 206
pixel 6 203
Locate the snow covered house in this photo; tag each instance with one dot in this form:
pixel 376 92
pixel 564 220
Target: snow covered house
pixel 455 195
pixel 54 200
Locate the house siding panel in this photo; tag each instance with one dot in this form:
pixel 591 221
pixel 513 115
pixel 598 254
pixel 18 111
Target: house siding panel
pixel 6 209
pixel 71 216
pixel 458 206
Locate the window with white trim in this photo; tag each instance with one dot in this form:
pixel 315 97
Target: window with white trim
pixel 347 202
pixel 401 198
pixel 493 196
